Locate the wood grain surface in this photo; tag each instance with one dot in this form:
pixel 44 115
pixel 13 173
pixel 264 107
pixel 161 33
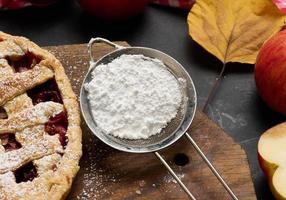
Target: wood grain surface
pixel 110 174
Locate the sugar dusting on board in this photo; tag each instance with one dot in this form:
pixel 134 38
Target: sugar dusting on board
pixel 133 96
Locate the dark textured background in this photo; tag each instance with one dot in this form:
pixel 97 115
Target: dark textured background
pixel 236 107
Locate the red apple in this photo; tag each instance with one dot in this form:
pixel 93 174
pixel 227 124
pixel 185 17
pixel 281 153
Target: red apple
pixel 114 9
pixel 272 159
pixel 270 72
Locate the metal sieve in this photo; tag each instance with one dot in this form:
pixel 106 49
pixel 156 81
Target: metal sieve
pixel 172 132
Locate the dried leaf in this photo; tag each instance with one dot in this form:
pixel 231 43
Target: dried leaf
pixel 234 30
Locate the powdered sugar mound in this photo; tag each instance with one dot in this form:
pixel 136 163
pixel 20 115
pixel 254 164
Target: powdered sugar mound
pixel 133 96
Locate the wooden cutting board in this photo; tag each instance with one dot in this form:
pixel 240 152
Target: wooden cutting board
pixel 110 174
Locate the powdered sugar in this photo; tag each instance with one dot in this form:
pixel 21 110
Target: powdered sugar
pixel 14 159
pixel 38 114
pixel 133 96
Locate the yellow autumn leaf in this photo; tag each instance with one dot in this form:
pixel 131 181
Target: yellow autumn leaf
pixel 234 30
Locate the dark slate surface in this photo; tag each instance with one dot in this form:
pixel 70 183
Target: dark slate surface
pixel 236 107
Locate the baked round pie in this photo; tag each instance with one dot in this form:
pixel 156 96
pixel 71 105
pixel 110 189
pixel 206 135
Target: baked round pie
pixel 40 135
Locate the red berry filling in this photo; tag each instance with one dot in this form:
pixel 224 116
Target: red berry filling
pixel 26 173
pixel 58 125
pixel 25 62
pixel 47 91
pixel 9 142
pixel 3 114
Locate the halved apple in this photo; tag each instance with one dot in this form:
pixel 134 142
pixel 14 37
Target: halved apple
pixel 272 159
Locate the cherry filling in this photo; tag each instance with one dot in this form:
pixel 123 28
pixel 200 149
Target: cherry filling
pixel 25 62
pixel 3 114
pixel 9 142
pixel 47 91
pixel 58 125
pixel 26 173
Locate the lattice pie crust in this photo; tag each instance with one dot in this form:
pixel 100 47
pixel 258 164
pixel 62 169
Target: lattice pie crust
pixel 40 135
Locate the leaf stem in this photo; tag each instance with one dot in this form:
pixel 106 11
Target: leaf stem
pixel 214 88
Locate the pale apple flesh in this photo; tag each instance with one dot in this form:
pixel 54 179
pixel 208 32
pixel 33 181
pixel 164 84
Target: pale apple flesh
pixel 272 159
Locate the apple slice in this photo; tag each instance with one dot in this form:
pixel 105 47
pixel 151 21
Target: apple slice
pixel 272 159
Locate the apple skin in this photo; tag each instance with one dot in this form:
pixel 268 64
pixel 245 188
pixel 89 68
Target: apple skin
pixel 272 159
pixel 270 72
pixel 114 10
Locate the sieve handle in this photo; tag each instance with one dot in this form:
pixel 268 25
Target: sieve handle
pixel 97 40
pixel 175 176
pixel 200 152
